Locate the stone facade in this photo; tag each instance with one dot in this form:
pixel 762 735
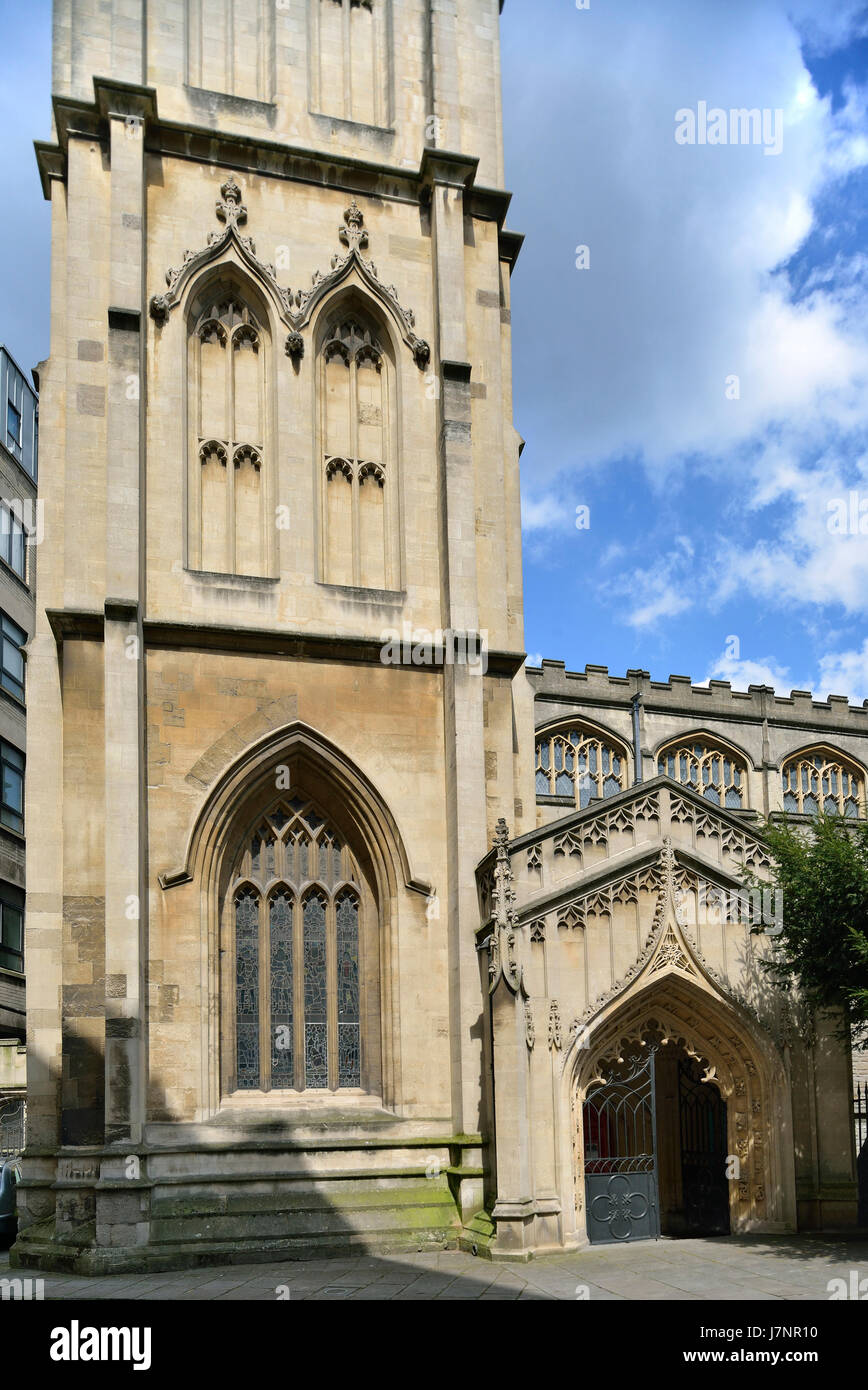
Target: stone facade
pixel 281 340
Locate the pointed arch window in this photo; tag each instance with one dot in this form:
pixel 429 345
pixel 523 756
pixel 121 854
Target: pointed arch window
pixel 579 764
pixel 358 473
pixel 715 773
pixel 821 780
pixel 297 918
pixel 229 461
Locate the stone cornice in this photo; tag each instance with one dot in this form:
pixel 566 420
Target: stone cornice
pixel 88 626
pixel 248 154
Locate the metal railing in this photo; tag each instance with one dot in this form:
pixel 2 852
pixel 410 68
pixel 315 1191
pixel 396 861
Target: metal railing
pixel 13 1121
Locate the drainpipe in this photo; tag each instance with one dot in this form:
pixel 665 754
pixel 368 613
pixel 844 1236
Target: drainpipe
pixel 637 752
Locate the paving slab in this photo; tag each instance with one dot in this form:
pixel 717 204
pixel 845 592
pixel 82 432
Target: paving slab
pixel 734 1269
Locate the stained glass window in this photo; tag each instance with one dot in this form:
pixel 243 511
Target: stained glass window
pixel 822 781
pixel 716 774
pixel 282 1040
pixel 315 993
pixel 312 930
pixel 247 988
pixel 579 764
pixel 349 1070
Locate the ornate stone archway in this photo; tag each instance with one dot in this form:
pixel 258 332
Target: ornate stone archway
pixel 678 1007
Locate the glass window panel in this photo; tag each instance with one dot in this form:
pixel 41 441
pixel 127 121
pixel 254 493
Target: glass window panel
pixel 542 784
pixel 282 1041
pixel 270 869
pixel 12 927
pixel 315 993
pixel 247 990
pixel 17 560
pixel 349 1053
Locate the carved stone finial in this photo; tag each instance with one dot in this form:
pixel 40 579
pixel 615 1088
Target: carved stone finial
pixel 230 208
pixel 295 308
pixel 353 235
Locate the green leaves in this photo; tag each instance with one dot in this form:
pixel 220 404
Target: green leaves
pixel 821 867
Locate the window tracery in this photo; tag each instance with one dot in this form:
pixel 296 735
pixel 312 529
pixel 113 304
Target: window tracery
pixel 715 773
pixel 228 347
pixel 822 780
pixel 358 471
pixel 296 913
pixel 580 763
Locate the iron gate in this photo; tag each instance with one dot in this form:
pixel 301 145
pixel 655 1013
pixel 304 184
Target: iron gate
pixel 620 1136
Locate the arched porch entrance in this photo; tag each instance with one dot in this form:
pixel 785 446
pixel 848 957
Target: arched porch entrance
pixel 654 1136
pixel 681 1119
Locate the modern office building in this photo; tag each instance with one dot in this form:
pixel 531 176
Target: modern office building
pixel 19 531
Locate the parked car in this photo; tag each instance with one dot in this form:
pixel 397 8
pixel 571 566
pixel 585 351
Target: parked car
pixel 10 1177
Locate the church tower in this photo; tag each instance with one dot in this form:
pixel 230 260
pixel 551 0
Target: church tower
pixel 275 679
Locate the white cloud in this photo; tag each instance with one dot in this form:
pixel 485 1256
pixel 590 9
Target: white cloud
pixel 845 673
pixel 685 287
pixel 742 673
pixel 546 512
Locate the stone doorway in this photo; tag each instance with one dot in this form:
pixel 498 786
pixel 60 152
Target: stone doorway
pixel 655 1148
pixel 691 1148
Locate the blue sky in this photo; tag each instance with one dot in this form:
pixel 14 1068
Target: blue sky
pixel 709 551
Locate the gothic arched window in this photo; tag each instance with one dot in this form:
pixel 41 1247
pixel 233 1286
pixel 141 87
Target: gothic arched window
pixel 228 447
pixel 579 763
pixel 823 780
pixel 349 63
pixel 716 773
pixel 358 473
pixel 296 915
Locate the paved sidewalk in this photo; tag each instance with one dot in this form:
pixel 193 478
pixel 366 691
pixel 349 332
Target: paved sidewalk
pixel 723 1267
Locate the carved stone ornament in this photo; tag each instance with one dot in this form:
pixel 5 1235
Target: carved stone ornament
pixel 295 307
pixel 502 961
pixel 556 1037
pixel 529 1028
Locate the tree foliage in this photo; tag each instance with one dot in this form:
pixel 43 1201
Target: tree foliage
pixel 821 868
